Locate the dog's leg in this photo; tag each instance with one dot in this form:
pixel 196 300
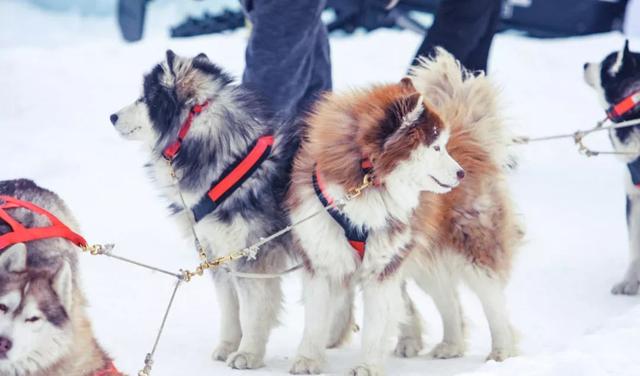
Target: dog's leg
pixel 410 339
pixel 490 291
pixel 230 332
pixel 318 296
pixel 260 301
pixel 631 282
pixel 383 310
pixel 443 290
pixel 342 320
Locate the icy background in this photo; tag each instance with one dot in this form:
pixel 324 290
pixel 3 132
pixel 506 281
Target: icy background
pixel 62 74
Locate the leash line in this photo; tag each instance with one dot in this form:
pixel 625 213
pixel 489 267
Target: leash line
pixel 579 135
pixel 148 361
pixel 105 250
pixel 192 220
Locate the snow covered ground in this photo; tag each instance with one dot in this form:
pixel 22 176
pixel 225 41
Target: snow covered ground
pixel 62 76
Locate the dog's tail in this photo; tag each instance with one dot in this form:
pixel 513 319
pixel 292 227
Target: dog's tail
pixel 468 102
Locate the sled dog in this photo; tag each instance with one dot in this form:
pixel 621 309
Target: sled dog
pixel 616 81
pixel 232 166
pixel 437 211
pixel 471 234
pixel 44 328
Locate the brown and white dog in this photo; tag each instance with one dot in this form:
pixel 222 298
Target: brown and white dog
pixel 44 327
pixel 416 136
pixel 470 234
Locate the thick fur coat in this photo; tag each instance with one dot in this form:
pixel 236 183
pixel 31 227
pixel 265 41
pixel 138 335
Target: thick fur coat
pixel 44 328
pixel 404 136
pixel 469 235
pixel 222 133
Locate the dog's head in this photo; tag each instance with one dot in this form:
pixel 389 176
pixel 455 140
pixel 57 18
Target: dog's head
pixel 169 91
pixel 413 145
pixel 616 77
pixel 35 328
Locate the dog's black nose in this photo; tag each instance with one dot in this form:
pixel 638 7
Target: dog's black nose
pixel 113 118
pixel 585 66
pixel 460 174
pixel 5 345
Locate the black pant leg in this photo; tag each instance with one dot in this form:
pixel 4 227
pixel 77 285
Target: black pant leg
pixel 459 26
pixel 479 56
pixel 287 57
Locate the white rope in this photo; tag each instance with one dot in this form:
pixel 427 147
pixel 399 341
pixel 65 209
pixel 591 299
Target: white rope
pixel 148 360
pixel 579 135
pixel 262 275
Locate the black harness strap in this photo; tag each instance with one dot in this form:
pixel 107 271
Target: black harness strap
pixel 234 176
pixel 356 235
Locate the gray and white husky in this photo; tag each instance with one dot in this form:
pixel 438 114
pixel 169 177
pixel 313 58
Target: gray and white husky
pixel 615 78
pixel 44 329
pixel 228 122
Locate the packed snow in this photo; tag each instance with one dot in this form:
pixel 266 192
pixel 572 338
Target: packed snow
pixel 63 75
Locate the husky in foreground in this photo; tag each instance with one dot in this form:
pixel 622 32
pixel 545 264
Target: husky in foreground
pixel 418 139
pixel 232 167
pixel 616 80
pixel 44 329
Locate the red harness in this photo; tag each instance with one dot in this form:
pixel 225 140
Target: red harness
pixel 615 112
pixel 109 370
pixel 233 177
pixel 21 234
pixel 57 229
pixel 356 235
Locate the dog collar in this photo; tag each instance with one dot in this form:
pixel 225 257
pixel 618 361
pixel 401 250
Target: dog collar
pixel 356 235
pixel 233 177
pixel 617 111
pixel 170 152
pixel 21 234
pixel 109 370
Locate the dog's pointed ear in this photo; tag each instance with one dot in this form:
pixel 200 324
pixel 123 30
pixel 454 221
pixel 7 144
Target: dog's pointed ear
pixel 629 60
pixel 407 84
pixel 171 56
pixel 63 285
pixel 403 114
pixel 202 56
pixel 14 259
pixel 625 49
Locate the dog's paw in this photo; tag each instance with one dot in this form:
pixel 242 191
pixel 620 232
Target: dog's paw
pixel 626 287
pixel 244 360
pixel 365 370
pixel 306 366
pixel 445 350
pixel 221 353
pixel 501 354
pixel 408 347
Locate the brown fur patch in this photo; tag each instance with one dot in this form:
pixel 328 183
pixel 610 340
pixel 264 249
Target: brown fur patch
pixel 476 219
pixel 344 128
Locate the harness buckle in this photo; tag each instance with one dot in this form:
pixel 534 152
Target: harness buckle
pixel 367 180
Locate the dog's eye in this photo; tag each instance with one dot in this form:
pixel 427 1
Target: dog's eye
pixel 32 319
pixel 436 148
pixel 4 308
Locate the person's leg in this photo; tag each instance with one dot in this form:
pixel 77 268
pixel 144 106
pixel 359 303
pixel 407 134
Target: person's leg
pixel 478 58
pixel 287 57
pixel 459 27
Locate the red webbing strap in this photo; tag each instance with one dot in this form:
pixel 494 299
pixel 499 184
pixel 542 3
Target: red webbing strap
pixel 624 106
pixel 109 370
pixel 241 170
pixel 172 150
pixel 359 247
pixel 21 234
